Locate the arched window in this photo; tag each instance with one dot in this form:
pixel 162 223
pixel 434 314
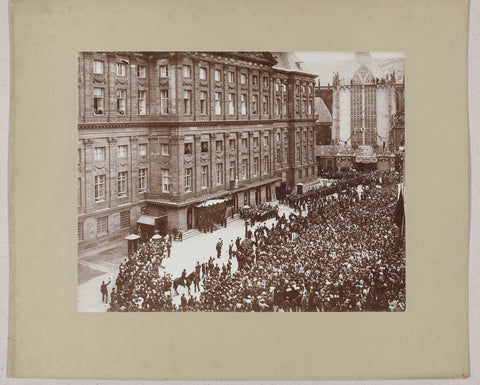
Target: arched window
pixel 363 108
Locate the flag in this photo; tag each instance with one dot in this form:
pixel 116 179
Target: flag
pixel 400 212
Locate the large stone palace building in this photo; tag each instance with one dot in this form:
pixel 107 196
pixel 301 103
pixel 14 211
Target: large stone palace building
pixel 160 133
pixel 367 116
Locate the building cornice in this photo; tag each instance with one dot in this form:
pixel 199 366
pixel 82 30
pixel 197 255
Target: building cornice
pixel 210 123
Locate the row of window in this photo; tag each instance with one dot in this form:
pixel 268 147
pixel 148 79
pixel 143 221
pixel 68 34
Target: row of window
pixel 121 70
pixel 279 104
pixel 122 183
pixel 204 172
pixel 102 225
pixel 122 152
pixel 100 152
pixel 99 101
pixel 122 178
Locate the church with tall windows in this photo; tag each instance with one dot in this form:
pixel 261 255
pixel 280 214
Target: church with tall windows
pixel 367 103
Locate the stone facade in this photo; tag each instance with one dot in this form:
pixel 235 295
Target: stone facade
pixel 366 104
pixel 160 133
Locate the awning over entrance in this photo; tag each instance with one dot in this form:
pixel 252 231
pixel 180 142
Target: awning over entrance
pixel 147 220
pixel 212 202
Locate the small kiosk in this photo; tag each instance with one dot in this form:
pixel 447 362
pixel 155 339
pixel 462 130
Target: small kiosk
pixel 132 243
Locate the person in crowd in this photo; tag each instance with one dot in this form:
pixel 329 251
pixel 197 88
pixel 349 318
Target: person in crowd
pixel 104 290
pixel 342 254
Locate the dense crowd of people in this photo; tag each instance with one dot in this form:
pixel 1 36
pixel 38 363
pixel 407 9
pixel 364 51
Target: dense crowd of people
pixel 345 254
pixel 258 213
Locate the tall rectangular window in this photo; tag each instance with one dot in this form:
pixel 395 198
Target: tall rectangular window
pixel 231 77
pixel 284 87
pixel 80 233
pixel 142 180
pixel 285 154
pixel 203 73
pixel 142 149
pixel 244 168
pixel 122 184
pixel 187 148
pixel 165 181
pixel 310 108
pixel 204 146
pixel 231 104
pixel 297 154
pixel 278 156
pixel 187 71
pixel 163 71
pixel 244 143
pixel 219 145
pixel 218 75
pixel 188 180
pixel 203 102
pixel 265 140
pixel 122 151
pixel 121 69
pixel 204 176
pixel 255 80
pixel 99 188
pixel 121 101
pixel 141 71
pixel 98 67
pixel 304 152
pixel 232 144
pixel 232 170
pixel 165 149
pixel 125 219
pixel 187 102
pixel 265 164
pixel 284 107
pixel 142 102
pixel 277 106
pixel 100 153
pixel 265 81
pixel 164 102
pixel 219 173
pixel 243 104
pixel 254 104
pixel 255 166
pixel 102 226
pixel 218 103
pixel 243 78
pixel 255 141
pixel 79 192
pixel 98 101
pixel 265 104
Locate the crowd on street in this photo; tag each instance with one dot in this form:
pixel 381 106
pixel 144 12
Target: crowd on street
pixel 341 252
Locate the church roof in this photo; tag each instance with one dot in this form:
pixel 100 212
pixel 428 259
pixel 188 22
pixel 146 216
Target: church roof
pixel 321 111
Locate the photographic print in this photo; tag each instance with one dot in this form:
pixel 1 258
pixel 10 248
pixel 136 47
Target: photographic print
pixel 241 182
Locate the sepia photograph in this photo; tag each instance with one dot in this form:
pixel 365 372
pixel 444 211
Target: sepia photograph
pixel 241 182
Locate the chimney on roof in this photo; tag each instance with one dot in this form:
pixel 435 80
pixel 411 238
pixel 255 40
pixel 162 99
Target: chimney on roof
pixel 299 65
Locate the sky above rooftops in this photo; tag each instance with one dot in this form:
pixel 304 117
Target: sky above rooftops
pixel 335 56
